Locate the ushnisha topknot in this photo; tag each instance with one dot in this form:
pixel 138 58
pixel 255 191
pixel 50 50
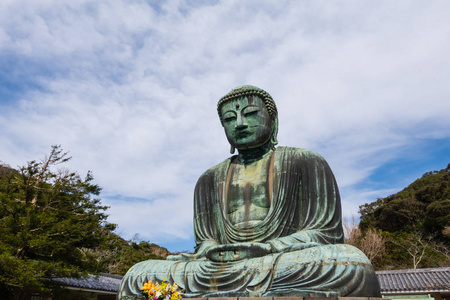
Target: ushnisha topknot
pixel 249 90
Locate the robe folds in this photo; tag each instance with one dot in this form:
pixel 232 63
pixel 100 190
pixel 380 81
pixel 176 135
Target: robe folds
pixel 303 228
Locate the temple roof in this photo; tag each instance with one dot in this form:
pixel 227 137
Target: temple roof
pixel 414 280
pixel 104 282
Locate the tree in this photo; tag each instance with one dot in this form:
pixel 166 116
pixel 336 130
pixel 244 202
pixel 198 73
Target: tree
pixel 416 246
pixel 47 216
pixel 134 252
pixel 117 255
pixel 371 242
pixel 352 231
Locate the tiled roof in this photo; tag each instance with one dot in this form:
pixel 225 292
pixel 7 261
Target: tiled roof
pixel 417 280
pixel 104 282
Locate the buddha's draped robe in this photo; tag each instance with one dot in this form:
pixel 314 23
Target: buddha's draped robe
pixel 303 227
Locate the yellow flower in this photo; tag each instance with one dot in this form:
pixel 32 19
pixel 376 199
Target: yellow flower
pixel 148 286
pixel 175 296
pixel 161 291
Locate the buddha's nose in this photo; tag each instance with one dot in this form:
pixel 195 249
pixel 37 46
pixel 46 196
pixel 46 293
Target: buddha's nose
pixel 240 122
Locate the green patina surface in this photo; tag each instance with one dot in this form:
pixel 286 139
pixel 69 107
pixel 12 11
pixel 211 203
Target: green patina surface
pixel 267 221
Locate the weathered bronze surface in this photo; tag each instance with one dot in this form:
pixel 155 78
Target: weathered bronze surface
pixel 267 221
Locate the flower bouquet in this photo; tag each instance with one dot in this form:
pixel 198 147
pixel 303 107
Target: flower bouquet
pixel 163 291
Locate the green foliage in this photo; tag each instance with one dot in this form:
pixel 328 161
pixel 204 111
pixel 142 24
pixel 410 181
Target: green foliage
pixel 53 225
pixel 415 223
pixel 135 252
pixel 117 255
pixel 410 251
pixel 46 217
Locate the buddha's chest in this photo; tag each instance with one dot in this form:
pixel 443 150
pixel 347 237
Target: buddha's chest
pixel 248 196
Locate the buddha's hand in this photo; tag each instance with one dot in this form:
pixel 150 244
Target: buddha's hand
pixel 200 254
pixel 181 257
pixel 302 246
pixel 185 257
pixel 238 251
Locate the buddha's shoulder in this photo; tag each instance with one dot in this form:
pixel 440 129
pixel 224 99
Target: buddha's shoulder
pixel 217 169
pixel 282 151
pixel 298 153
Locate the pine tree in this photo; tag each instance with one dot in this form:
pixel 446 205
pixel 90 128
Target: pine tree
pixel 49 216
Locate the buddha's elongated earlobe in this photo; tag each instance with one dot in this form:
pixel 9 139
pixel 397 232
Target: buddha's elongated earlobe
pixel 273 138
pixel 232 149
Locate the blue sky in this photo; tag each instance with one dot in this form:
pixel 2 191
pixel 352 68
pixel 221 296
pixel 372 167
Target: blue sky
pixel 130 89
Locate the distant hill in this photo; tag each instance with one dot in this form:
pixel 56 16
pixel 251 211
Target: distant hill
pixel 119 255
pixel 415 223
pixel 6 170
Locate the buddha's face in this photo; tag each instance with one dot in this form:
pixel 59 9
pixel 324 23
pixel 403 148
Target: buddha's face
pixel 247 122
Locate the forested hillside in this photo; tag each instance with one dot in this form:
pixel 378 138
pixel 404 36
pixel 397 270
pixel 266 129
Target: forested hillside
pixel 413 225
pixel 52 224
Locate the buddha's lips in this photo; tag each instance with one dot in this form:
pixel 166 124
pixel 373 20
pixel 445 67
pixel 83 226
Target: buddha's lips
pixel 242 134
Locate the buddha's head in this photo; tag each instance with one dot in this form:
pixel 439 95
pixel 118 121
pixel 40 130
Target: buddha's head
pixel 250 118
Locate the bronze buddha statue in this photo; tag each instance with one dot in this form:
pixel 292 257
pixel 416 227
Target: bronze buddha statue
pixel 267 221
